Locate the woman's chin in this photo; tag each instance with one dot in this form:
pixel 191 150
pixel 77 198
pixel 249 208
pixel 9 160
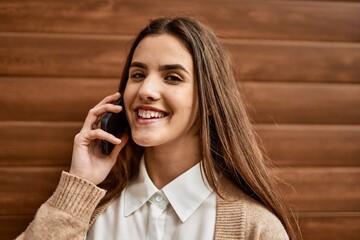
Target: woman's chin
pixel 144 141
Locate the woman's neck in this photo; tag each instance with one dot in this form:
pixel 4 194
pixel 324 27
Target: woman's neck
pixel 165 163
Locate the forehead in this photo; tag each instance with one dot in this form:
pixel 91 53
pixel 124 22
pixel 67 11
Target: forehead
pixel 163 49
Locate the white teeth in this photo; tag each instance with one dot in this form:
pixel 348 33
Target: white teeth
pixel 149 114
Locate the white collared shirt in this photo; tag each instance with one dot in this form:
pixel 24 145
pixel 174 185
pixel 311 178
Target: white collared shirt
pixel 183 209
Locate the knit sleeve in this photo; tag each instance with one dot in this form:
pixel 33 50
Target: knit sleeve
pixel 66 214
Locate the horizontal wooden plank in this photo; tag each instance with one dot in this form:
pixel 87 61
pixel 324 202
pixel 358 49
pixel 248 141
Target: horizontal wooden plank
pixel 52 99
pixel 13 225
pixel 283 103
pixel 32 55
pixel 37 143
pixel 322 189
pixel 23 190
pixel 311 145
pixel 69 99
pixel 318 189
pixel 342 1
pixel 295 61
pixel 96 56
pixel 330 21
pixel 330 227
pixel 50 144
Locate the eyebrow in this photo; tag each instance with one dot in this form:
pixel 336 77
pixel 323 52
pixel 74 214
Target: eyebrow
pixel 138 64
pixel 162 67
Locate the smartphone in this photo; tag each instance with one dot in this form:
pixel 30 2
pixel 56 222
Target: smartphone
pixel 114 123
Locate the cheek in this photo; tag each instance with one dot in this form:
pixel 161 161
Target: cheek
pixel 188 108
pixel 129 96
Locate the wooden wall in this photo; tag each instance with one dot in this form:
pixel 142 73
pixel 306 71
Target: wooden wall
pixel 298 64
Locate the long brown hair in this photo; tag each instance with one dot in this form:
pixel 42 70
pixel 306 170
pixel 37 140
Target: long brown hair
pixel 228 141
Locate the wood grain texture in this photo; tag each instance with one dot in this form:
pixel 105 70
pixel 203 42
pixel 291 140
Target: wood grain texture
pixel 48 55
pixel 322 189
pixel 13 225
pixel 311 145
pixel 296 20
pixel 50 144
pixel 317 227
pixel 24 189
pixel 283 103
pixel 96 56
pixel 295 61
pixel 52 99
pixel 37 143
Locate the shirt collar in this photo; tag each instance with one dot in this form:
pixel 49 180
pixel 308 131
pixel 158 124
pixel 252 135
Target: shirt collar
pixel 138 191
pixel 185 193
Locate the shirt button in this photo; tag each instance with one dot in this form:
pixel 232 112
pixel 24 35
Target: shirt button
pixel 158 198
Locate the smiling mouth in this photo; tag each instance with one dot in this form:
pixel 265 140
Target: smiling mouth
pixel 149 114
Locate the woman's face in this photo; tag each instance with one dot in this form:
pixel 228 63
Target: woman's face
pixel 160 96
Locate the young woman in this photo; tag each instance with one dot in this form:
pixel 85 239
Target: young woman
pixel 189 166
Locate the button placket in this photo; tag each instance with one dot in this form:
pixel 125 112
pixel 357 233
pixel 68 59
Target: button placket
pixel 158 205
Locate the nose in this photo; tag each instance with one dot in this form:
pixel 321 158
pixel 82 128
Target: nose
pixel 150 88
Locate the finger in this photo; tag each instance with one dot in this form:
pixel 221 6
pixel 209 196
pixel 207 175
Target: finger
pixel 115 152
pixel 95 114
pixel 108 107
pixel 102 135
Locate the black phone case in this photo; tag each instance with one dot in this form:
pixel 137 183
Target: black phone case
pixel 114 123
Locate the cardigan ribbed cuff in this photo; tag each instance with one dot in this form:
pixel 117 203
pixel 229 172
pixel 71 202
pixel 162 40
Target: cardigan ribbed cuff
pixel 76 196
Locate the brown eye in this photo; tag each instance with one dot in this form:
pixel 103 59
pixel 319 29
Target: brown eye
pixel 137 75
pixel 173 78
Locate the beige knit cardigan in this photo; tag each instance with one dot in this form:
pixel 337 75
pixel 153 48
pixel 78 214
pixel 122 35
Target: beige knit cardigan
pixel 71 210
